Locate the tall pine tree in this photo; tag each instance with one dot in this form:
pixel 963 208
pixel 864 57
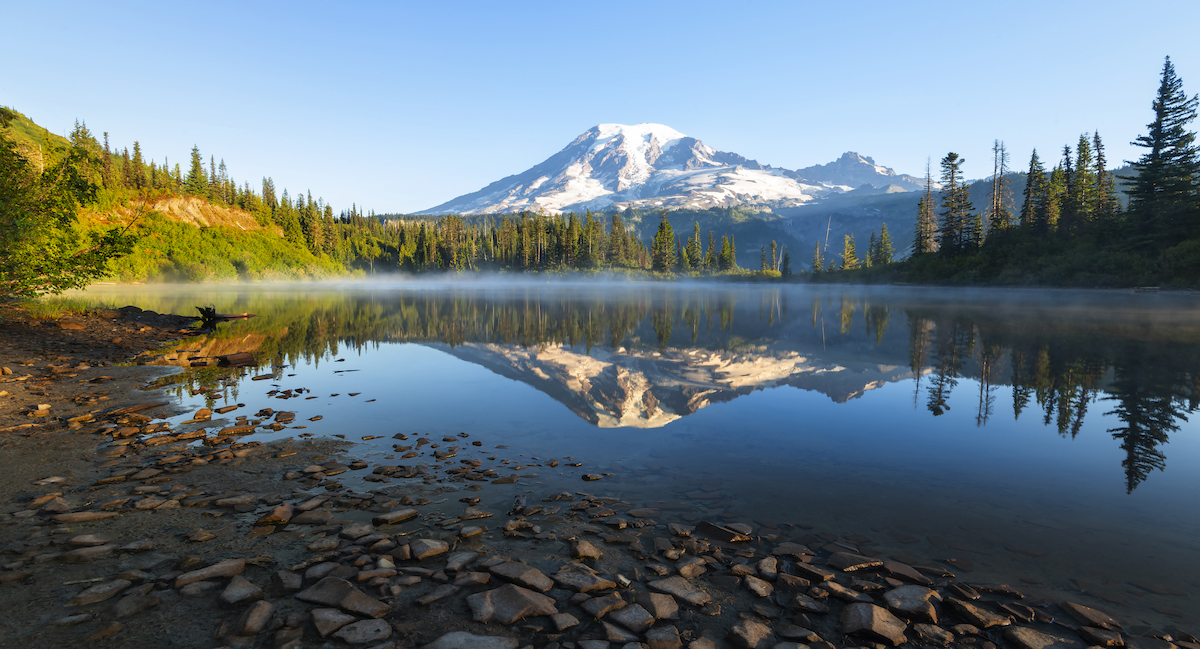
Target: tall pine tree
pixel 1162 196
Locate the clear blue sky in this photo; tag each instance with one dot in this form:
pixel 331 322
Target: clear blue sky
pixel 399 106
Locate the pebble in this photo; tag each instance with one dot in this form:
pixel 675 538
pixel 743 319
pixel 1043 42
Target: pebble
pixel 749 634
pixel 99 592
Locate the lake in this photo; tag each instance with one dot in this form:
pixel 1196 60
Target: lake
pixel 1036 438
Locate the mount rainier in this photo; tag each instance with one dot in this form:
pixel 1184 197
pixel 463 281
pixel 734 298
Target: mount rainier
pixel 652 166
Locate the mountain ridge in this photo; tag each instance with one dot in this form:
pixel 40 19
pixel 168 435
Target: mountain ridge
pixel 618 166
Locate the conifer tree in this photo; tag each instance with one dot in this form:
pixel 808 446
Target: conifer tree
pixel 733 265
pixel 663 247
pixel 1107 205
pixel 1035 188
pixel 884 248
pixel 774 256
pixel 1162 196
pixel 694 248
pixel 849 255
pixel 710 257
pixel 762 258
pixel 955 232
pixel 196 183
pixel 137 172
pixel 818 262
pixel 785 268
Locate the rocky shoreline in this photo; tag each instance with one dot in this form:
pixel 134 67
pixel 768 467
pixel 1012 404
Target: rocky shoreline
pixel 121 530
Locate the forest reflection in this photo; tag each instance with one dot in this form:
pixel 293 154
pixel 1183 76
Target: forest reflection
pixel 1061 366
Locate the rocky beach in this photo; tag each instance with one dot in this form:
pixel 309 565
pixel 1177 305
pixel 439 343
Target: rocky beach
pixel 120 528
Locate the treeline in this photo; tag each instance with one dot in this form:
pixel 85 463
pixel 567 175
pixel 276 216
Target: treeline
pixel 1070 228
pixel 544 242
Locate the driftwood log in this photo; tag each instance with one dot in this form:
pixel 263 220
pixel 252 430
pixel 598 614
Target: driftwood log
pixel 209 315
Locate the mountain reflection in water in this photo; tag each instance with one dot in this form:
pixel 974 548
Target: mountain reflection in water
pixel 645 356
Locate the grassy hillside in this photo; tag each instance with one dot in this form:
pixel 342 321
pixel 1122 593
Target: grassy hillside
pixel 183 237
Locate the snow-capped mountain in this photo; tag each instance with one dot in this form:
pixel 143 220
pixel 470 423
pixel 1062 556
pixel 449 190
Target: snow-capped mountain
pixel 649 389
pixel 652 165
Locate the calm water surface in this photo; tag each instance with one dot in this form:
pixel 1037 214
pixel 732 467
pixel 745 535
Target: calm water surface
pixel 1037 438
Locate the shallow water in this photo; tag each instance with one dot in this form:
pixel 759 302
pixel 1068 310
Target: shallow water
pixel 1038 438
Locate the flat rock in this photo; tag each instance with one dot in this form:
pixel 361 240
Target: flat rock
pixel 218 570
pixel 809 605
pixel 749 634
pixel 312 517
pixel 395 517
pixel 328 620
pixel 851 562
pixel 508 604
pixel 978 616
pixel 598 607
pixel 564 621
pixel 680 588
pixel 364 632
pixel 356 531
pixel 464 640
pixel 1089 616
pixel 332 591
pixel 582 549
pixel 873 622
pixel 633 617
pixel 425 548
pixel 664 637
pixel 459 560
pixel 1026 638
pixel 662 606
pixel 812 573
pixel 85 555
pixel 759 587
pixel 99 592
pixel 278 516
pixel 931 634
pixel 1101 637
pixel 912 602
pixel 582 582
pixel 255 619
pixel 240 590
pixel 131 605
pixel 88 540
pixel 846 594
pixel 523 575
pixel 441 592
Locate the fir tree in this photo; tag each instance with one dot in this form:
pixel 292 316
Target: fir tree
pixel 710 257
pixel 955 233
pixel 663 246
pixel 818 262
pixel 196 183
pixel 849 255
pixel 1035 188
pixel 785 268
pixel 886 249
pixel 1162 196
pixel 694 248
pixel 872 252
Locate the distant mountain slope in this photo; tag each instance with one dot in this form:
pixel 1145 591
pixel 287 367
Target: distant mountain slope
pixel 649 166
